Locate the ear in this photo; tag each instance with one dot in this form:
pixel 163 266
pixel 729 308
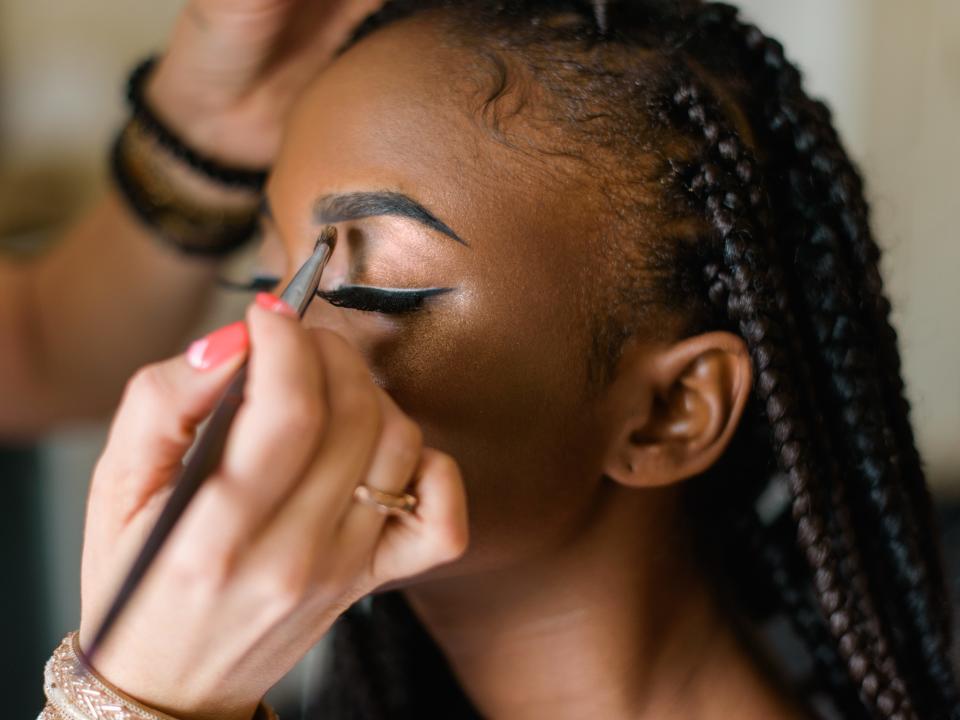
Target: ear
pixel 673 410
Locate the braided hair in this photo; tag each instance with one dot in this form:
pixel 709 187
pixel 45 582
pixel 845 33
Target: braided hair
pixel 762 229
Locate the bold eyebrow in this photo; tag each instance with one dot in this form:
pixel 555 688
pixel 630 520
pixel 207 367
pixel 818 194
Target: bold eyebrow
pixel 357 205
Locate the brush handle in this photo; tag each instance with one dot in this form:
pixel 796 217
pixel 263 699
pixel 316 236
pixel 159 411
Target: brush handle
pixel 203 461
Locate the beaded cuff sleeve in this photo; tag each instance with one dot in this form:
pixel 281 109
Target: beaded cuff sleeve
pixel 75 692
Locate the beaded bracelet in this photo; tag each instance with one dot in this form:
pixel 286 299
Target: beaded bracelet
pixel 75 692
pixel 232 177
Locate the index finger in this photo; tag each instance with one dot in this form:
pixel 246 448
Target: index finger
pixel 272 440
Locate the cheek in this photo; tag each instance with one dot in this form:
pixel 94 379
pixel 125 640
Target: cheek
pixel 503 394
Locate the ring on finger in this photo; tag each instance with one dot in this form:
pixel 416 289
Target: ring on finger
pixel 384 502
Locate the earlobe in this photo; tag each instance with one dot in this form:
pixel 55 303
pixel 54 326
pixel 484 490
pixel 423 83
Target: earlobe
pixel 689 398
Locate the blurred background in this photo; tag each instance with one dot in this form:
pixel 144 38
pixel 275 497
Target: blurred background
pixel 889 69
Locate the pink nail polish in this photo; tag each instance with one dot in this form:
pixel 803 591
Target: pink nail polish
pixel 218 346
pixel 275 304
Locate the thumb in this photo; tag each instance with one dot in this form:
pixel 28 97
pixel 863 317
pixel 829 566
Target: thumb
pixel 157 419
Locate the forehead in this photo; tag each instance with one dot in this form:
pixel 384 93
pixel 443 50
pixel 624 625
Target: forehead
pixel 401 111
pixel 380 117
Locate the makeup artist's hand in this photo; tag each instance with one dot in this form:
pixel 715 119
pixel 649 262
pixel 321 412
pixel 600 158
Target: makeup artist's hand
pixel 274 547
pixel 233 67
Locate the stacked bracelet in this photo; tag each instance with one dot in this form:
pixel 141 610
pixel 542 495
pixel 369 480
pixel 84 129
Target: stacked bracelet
pixel 146 155
pixel 75 692
pixel 190 228
pixel 231 177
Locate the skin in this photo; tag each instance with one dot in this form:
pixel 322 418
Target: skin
pixel 579 595
pixel 223 87
pixel 489 375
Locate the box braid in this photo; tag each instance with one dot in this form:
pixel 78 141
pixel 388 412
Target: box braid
pixel 815 142
pixel 745 284
pixel 868 400
pixel 785 258
pixel 825 531
pixel 830 303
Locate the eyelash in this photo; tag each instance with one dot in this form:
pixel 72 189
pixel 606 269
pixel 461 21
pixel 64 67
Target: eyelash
pixel 354 297
pixel 389 302
pixel 258 283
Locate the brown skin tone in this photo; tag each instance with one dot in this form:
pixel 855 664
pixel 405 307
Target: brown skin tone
pixel 224 87
pixel 579 596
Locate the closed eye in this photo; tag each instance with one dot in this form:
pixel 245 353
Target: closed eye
pixel 391 301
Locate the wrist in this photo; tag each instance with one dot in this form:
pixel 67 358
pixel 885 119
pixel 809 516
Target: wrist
pixel 75 689
pixel 180 179
pixel 194 107
pixel 186 209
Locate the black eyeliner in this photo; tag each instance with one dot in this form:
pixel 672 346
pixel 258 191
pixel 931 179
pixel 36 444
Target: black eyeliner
pixel 258 283
pixel 390 301
pixel 395 301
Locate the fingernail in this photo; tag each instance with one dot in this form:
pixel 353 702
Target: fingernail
pixel 218 346
pixel 275 304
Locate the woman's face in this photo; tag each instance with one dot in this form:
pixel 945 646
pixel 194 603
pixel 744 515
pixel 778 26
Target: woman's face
pixel 494 367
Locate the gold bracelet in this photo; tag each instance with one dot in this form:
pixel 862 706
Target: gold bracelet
pixel 76 692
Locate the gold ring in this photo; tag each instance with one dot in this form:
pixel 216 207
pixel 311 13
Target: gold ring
pixel 384 502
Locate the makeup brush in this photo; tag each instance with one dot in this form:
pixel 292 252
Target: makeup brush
pixel 209 447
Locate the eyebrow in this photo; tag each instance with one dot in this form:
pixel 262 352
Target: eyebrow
pixel 357 205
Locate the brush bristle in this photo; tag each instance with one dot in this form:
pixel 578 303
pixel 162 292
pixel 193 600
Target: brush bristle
pixel 328 237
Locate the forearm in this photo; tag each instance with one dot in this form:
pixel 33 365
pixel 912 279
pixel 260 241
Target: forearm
pixel 76 322
pixel 109 297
